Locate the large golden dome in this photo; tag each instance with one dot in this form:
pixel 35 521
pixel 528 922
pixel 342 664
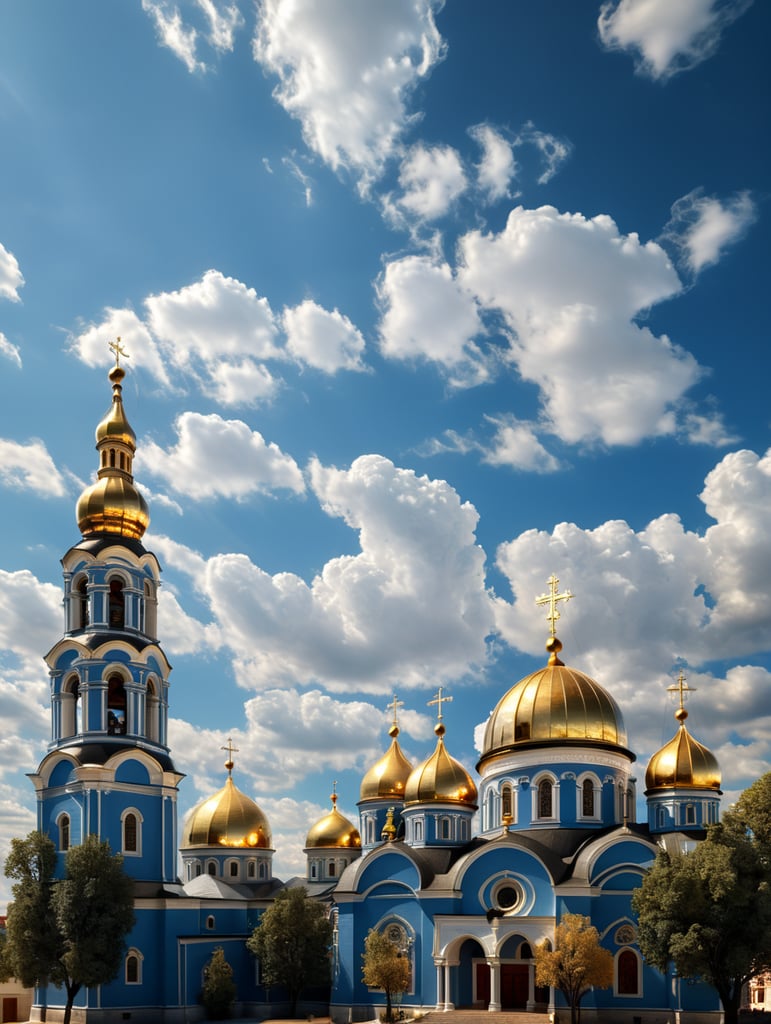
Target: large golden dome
pixel 113 504
pixel 229 818
pixel 387 778
pixel 683 763
pixel 333 830
pixel 555 705
pixel 440 779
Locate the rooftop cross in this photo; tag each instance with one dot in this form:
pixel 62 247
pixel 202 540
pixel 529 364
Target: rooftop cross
pixel 119 351
pixel 551 599
pixel 680 689
pixel 439 700
pixel 231 750
pixel 394 706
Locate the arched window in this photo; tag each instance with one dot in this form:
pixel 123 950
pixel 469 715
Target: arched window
pixel 152 711
pixel 130 833
pixel 64 832
pixel 116 706
pixel 198 870
pixel 627 973
pixel 444 827
pixel 133 967
pixel 419 830
pixel 370 829
pixel 70 702
pixel 234 869
pixel 82 592
pixel 661 816
pixel 545 799
pixel 463 829
pixel 332 869
pixel 313 869
pixel 690 814
pixel 210 922
pixel 117 604
pixel 211 867
pixel 251 869
pixel 587 798
pixel 262 869
pixel 525 951
pixel 507 804
pixel 112 457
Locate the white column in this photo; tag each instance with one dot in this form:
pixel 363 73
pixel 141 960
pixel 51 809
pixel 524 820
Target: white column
pixel 439 985
pixel 448 1004
pixel 530 988
pixel 495 984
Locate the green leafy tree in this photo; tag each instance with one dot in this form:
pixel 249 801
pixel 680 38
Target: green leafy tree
pixel 384 967
pixel 576 963
pixel 292 942
pixel 219 989
pixel 709 911
pixel 69 932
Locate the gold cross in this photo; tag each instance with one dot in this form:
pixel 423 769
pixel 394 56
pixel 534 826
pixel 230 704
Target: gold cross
pixel 394 706
pixel 231 750
pixel 439 699
pixel 551 599
pixel 681 689
pixel 119 351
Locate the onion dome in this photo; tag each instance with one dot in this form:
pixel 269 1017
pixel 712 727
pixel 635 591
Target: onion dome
pixel 229 818
pixel 440 779
pixel 387 778
pixel 113 504
pixel 554 706
pixel 683 762
pixel 333 830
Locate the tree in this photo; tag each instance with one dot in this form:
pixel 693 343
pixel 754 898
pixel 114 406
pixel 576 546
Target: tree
pixel 69 932
pixel 292 942
pixel 384 967
pixel 709 911
pixel 219 989
pixel 577 963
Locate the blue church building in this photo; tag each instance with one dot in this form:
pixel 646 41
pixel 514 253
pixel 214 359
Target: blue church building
pixel 466 875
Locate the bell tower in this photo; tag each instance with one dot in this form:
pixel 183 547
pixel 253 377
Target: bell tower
pixel 108 771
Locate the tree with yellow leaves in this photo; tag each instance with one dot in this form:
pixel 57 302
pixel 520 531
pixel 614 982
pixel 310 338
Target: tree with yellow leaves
pixel 385 967
pixel 577 963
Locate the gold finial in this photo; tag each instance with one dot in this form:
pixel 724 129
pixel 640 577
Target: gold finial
pixel 679 691
pixel 551 599
pixel 231 750
pixel 439 699
pixel 394 707
pixel 119 351
pixel 389 829
pixel 333 795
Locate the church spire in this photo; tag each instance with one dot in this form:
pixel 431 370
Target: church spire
pixel 113 504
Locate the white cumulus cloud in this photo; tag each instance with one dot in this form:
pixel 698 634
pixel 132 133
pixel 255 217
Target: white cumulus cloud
pixel 214 457
pixel 30 467
pixel 497 166
pixel 326 341
pixel 667 37
pixel 10 351
pixel 431 179
pixel 11 278
pixel 346 71
pixel 703 227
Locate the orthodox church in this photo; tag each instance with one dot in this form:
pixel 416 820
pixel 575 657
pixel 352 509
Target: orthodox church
pixel 466 875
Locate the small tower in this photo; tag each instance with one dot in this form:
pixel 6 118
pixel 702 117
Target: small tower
pixel 227 836
pixel 382 788
pixel 440 797
pixel 331 844
pixel 682 780
pixel 108 771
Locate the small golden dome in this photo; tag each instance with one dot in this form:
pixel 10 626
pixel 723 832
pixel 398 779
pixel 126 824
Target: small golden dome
pixel 333 830
pixel 229 818
pixel 113 504
pixel 552 705
pixel 441 779
pixel 683 763
pixel 387 778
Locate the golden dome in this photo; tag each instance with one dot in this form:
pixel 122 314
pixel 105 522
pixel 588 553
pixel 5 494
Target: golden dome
pixel 113 504
pixel 440 779
pixel 333 830
pixel 554 705
pixel 683 763
pixel 229 818
pixel 387 778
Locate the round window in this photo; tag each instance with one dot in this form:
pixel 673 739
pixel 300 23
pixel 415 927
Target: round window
pixel 508 896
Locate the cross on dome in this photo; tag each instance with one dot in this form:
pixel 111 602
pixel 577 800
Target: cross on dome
pixel 231 750
pixel 551 599
pixel 394 707
pixel 119 351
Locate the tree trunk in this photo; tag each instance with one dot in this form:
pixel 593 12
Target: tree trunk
pixel 71 990
pixel 389 1009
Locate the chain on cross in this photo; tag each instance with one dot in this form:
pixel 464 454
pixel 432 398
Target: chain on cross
pixel 119 350
pixel 551 599
pixel 439 699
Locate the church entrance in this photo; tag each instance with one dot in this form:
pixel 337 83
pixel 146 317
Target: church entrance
pixel 514 985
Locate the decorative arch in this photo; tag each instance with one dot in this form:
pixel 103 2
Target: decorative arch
pixel 627 973
pixel 588 797
pixel 117 710
pixel 152 710
pixel 133 966
pixel 545 791
pixel 70 706
pixel 80 602
pixel 131 832
pixel 64 826
pixel 116 599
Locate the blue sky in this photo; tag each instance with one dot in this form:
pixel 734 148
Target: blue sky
pixel 423 303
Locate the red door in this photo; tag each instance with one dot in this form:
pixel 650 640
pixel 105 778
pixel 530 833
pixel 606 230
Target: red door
pixel 10 1008
pixel 483 985
pixel 514 985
